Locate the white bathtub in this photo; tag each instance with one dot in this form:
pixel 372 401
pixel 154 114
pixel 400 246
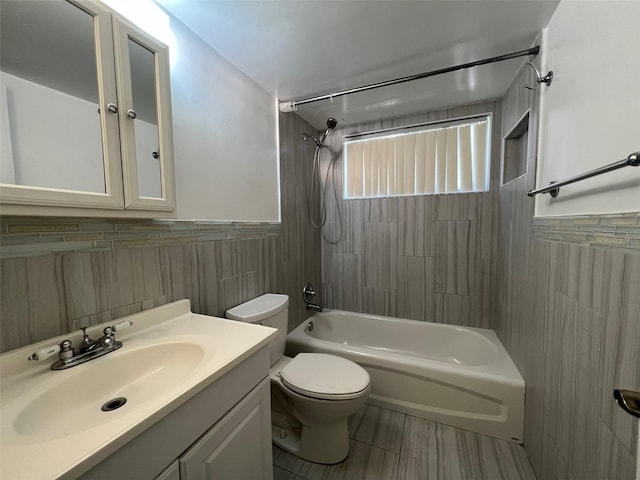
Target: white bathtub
pixel 459 376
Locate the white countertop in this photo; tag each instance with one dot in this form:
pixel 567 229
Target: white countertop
pixel 67 453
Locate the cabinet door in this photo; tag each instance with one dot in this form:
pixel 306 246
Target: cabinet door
pixel 142 66
pixel 238 447
pixel 59 143
pixel 171 473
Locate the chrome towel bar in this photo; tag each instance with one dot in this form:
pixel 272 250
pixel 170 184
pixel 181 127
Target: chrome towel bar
pixel 553 188
pixel 629 401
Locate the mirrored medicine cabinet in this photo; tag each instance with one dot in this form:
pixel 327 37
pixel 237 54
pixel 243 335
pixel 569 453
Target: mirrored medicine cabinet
pixel 85 113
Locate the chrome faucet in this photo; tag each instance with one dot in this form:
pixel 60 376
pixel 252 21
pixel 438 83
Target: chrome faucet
pixel 87 350
pixel 107 341
pixel 308 294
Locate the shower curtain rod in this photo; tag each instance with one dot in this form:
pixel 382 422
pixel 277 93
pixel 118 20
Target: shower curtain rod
pixel 292 105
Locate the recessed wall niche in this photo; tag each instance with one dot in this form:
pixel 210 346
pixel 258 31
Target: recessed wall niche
pixel 515 150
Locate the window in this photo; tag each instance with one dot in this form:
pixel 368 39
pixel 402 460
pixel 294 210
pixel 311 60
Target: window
pixel 445 157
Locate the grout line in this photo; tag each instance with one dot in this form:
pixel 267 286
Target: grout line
pixel 404 426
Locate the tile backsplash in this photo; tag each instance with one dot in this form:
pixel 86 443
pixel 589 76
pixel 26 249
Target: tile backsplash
pixel 58 275
pixel 22 236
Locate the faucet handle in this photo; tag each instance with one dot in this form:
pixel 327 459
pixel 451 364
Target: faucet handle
pixel 308 293
pixel 308 290
pixel 118 327
pixel 65 348
pixel 44 353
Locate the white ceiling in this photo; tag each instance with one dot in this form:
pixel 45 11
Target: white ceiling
pixel 295 49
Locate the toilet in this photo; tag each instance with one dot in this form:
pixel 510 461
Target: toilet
pixel 312 395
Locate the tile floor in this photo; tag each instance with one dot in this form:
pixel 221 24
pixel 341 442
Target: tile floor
pixel 388 445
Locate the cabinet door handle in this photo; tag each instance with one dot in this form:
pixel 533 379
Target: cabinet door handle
pixel 112 107
pixel 131 113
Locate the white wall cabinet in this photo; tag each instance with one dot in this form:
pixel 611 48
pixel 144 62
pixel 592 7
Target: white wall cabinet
pixel 86 114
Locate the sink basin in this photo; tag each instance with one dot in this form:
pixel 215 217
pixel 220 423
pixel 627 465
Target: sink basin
pixel 52 423
pixel 75 403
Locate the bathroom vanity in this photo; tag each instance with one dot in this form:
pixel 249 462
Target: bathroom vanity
pixel 198 404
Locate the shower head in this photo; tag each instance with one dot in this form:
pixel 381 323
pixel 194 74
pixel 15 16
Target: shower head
pixel 331 124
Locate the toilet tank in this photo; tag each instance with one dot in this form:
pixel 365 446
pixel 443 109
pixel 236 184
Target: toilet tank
pixel 271 310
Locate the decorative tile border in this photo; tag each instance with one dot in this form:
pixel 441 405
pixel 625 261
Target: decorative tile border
pixel 604 231
pixel 26 236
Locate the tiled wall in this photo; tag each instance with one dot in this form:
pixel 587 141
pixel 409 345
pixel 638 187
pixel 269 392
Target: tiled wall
pixel 60 274
pixel 57 274
pixel 420 257
pixel 300 240
pixel 568 312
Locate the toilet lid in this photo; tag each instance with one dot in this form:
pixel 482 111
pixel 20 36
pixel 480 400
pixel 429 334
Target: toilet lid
pixel 320 375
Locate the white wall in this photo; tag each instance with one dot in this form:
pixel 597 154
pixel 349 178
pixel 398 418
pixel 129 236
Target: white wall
pixel 589 115
pixel 224 126
pixel 225 137
pixel 7 173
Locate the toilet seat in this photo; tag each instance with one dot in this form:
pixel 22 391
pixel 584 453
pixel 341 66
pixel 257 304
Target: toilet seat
pixel 323 376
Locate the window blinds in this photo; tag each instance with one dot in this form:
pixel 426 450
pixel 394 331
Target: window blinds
pixel 434 160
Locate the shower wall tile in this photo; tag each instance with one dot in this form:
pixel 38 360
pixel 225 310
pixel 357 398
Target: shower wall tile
pixel 381 252
pixel 567 311
pixel 455 257
pixel 376 300
pixel 458 310
pixel 300 252
pixel 416 237
pixel 415 287
pixel 429 257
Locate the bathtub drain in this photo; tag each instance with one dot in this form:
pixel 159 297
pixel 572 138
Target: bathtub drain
pixel 114 404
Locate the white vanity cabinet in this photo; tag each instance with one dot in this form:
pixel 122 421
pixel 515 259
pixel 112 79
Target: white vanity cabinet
pixel 238 446
pixel 171 473
pixel 223 432
pixel 85 114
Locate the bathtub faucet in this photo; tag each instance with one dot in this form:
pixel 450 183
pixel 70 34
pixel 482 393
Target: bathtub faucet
pixel 308 294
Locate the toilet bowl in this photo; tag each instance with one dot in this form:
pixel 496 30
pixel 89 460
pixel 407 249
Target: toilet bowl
pixel 312 394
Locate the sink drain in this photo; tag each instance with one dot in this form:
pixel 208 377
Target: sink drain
pixel 114 404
